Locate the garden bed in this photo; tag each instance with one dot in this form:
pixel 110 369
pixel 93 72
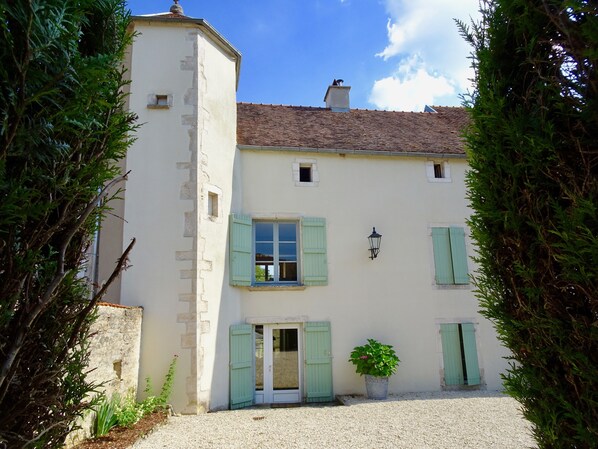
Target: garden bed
pixel 125 437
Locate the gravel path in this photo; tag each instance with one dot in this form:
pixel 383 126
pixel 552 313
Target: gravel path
pixel 444 420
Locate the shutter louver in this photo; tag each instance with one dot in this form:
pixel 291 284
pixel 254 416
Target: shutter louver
pixel 240 250
pixel 459 256
pixel 318 362
pixel 315 265
pixel 471 354
pixel 443 264
pixel 451 354
pixel 241 366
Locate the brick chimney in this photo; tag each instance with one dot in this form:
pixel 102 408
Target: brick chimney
pixel 337 97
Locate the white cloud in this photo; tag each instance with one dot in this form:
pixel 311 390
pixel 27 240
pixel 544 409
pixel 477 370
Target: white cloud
pixel 432 56
pixel 410 88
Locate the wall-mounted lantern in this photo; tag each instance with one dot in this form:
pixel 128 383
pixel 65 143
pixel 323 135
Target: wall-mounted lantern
pixel 374 240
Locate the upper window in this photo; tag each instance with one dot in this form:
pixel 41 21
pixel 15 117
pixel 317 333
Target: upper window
pixel 266 253
pixel 438 171
pixel 305 173
pixel 213 207
pixel 450 256
pixel 159 101
pixel 275 252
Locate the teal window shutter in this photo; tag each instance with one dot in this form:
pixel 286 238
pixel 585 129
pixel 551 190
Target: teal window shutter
pixel 241 366
pixel 471 354
pixel 459 255
pixel 240 227
pixel 443 263
pixel 318 362
pixel 315 266
pixel 451 354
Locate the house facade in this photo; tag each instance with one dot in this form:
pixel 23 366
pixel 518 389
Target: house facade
pixel 252 261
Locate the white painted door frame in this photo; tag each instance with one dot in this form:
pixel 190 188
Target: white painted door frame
pixel 269 395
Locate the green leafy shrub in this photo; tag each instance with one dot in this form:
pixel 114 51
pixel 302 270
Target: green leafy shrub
pixel 128 411
pixel 374 359
pixel 125 412
pixel 152 403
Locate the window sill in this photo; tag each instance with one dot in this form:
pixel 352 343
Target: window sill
pixel 275 288
pixel 441 180
pixel 452 286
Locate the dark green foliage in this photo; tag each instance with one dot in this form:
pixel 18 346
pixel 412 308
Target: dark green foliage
pixel 534 189
pixel 62 130
pixel 374 359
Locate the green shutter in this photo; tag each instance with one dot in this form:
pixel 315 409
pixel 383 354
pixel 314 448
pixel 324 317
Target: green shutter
pixel 315 267
pixel 459 255
pixel 240 249
pixel 443 263
pixel 318 362
pixel 241 366
pixel 471 354
pixel 451 354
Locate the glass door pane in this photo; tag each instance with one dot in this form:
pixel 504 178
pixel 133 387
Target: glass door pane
pixel 285 355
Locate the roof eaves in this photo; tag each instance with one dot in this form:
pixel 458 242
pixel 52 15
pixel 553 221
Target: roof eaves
pixel 352 152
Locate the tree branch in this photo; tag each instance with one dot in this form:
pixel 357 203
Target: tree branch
pixel 15 348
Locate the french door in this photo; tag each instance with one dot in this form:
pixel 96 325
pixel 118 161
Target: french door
pixel 278 356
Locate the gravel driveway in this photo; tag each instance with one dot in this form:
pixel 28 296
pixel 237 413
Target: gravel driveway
pixel 444 420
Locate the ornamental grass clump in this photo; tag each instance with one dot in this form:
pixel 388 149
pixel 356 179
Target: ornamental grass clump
pixel 374 359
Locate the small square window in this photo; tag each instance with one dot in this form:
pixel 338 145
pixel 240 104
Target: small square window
pixel 438 171
pixel 159 101
pixel 162 100
pixel 305 173
pixel 213 204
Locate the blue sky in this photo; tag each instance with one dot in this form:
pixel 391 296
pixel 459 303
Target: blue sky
pixel 395 54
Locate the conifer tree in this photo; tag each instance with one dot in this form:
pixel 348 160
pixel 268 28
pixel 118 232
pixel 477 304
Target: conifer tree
pixel 533 185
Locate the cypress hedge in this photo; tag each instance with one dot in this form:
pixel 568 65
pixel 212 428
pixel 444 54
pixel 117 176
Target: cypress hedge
pixel 533 185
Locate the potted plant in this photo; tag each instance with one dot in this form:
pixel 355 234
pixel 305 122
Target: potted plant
pixel 377 362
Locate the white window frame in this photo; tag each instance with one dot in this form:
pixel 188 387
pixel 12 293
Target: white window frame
pixel 303 163
pixel 446 171
pixel 276 243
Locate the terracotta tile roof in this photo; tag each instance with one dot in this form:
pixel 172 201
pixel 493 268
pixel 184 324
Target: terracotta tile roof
pixel 357 130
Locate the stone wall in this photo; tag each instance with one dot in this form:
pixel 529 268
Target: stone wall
pixel 114 348
pixel 114 355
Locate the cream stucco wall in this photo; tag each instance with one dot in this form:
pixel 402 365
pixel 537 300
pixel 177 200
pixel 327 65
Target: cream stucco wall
pixel 187 176
pixel 392 298
pixel 182 153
